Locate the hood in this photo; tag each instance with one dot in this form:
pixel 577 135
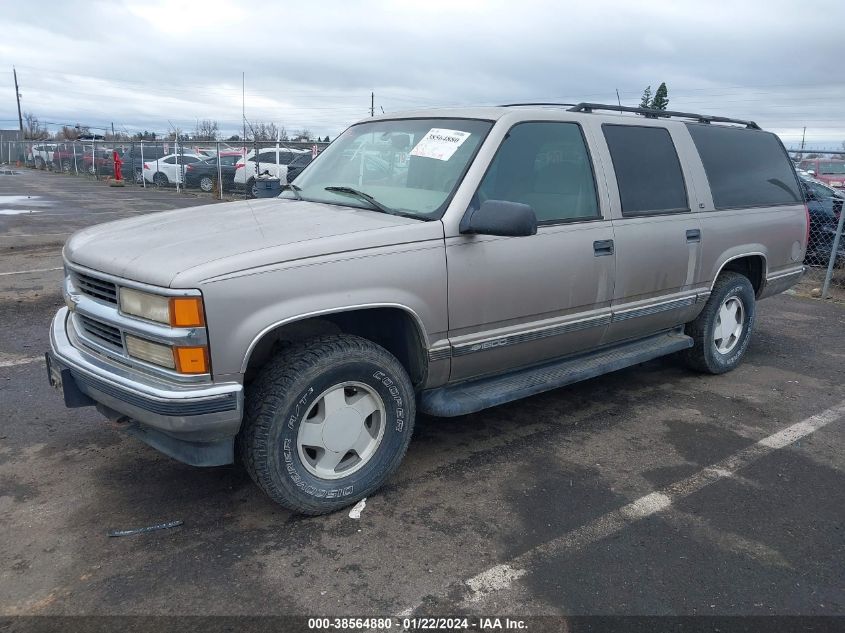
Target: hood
pixel 198 243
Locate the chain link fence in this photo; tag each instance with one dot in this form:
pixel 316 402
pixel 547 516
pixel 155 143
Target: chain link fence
pixel 822 177
pixel 226 169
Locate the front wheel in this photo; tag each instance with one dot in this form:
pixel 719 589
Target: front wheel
pixel 207 184
pixel 722 331
pixel 326 423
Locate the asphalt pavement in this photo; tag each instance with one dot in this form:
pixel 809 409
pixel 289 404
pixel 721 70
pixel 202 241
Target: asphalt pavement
pixel 650 491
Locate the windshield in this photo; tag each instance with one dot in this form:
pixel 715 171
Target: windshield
pixel 832 168
pixel 410 166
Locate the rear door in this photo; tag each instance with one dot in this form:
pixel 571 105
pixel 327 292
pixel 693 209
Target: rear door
pixel 657 237
pixel 517 301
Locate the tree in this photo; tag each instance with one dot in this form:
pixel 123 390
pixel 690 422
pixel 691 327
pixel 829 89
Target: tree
pixel 302 135
pixel 645 102
pixel 32 127
pixel 234 137
pixel 207 130
pixel 661 97
pixel 326 140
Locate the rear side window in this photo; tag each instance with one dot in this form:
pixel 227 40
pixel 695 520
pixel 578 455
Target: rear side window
pixel 745 168
pixel 647 168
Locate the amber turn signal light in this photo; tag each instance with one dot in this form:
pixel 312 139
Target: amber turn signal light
pixel 191 360
pixel 186 312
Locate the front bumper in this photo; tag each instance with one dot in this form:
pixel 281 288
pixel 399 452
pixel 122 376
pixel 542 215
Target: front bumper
pixel 195 423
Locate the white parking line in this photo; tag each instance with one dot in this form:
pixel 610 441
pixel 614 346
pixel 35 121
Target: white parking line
pixel 19 361
pixel 502 576
pixel 35 270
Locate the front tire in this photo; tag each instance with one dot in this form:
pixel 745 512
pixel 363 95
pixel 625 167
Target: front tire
pixel 207 184
pixel 327 421
pixel 722 331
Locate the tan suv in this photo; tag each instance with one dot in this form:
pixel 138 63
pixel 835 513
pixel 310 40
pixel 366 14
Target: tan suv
pixel 443 261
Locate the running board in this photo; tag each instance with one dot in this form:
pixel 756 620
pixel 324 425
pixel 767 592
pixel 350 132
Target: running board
pixel 481 393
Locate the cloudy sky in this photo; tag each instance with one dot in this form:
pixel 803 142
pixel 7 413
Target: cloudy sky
pixel 150 64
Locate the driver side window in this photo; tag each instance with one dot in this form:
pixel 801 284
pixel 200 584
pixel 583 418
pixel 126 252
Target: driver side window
pixel 545 165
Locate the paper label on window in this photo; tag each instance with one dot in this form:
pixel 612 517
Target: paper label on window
pixel 439 143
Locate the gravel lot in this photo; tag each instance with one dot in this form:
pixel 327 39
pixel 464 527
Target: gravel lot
pixel 651 491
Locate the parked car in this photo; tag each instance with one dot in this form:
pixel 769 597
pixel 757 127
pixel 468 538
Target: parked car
pixel 98 161
pixel 204 173
pixel 508 251
pixel 272 161
pixel 135 155
pixel 42 154
pixel 824 205
pixel 300 162
pixel 169 169
pixel 830 172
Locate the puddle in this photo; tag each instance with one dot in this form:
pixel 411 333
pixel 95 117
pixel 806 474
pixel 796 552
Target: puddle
pixel 34 201
pixel 19 211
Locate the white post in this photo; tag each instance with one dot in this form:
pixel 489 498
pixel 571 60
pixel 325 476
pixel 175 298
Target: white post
pixel 219 171
pixel 143 180
pixel 75 166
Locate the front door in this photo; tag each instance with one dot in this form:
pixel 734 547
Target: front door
pixel 517 301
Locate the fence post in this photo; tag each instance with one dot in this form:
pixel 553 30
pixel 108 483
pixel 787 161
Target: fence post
pixel 833 252
pixel 143 177
pixel 75 164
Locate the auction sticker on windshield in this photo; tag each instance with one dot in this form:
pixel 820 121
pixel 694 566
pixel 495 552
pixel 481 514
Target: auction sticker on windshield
pixel 439 143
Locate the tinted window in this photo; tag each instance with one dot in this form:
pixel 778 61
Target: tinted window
pixel 745 168
pixel 544 165
pixel 832 168
pixel 229 160
pixel 171 160
pixel 266 157
pixel 647 168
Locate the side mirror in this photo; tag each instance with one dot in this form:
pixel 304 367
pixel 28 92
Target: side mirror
pixel 500 217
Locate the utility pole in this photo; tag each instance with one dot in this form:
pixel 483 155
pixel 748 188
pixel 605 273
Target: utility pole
pixel 112 130
pixel 18 97
pixel 803 134
pixel 618 100
pixel 372 104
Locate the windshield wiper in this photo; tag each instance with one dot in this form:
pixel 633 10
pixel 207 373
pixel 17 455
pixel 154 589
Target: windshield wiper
pixel 293 188
pixel 375 204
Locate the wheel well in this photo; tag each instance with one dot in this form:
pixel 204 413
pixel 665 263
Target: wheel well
pixel 392 328
pixel 752 266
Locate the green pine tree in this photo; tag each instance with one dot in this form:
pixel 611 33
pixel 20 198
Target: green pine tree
pixel 661 98
pixel 645 102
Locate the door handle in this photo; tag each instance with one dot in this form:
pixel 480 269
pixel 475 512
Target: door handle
pixel 603 247
pixel 694 235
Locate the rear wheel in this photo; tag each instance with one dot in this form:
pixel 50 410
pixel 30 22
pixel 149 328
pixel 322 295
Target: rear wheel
pixel 139 177
pixel 160 180
pixel 66 166
pixel 207 184
pixel 326 423
pixel 722 331
pixel 252 188
pixel 39 163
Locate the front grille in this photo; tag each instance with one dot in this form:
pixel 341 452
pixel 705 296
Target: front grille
pixel 101 332
pixel 96 288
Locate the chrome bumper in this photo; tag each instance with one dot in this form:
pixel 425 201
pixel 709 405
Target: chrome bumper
pixel 191 412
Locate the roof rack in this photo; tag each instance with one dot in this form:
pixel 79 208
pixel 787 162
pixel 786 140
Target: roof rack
pixel 654 114
pixel 539 103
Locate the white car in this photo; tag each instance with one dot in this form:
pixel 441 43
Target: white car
pixel 273 161
pixel 169 170
pixel 42 154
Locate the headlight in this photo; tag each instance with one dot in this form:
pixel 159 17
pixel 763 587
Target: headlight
pixel 175 311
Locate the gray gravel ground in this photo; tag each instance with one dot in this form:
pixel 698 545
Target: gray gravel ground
pixel 522 509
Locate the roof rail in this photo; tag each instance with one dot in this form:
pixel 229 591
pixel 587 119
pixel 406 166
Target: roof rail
pixel 654 114
pixel 539 103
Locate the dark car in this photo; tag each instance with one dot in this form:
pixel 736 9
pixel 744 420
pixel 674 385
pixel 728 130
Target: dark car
pixel 824 205
pixel 204 173
pixel 134 156
pixel 300 162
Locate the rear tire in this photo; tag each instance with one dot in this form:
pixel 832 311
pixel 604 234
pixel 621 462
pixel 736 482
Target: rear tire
pixel 251 188
pixel 343 388
pixel 160 180
pixel 722 331
pixel 207 184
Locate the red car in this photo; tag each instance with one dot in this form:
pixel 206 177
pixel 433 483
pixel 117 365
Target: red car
pixel 830 172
